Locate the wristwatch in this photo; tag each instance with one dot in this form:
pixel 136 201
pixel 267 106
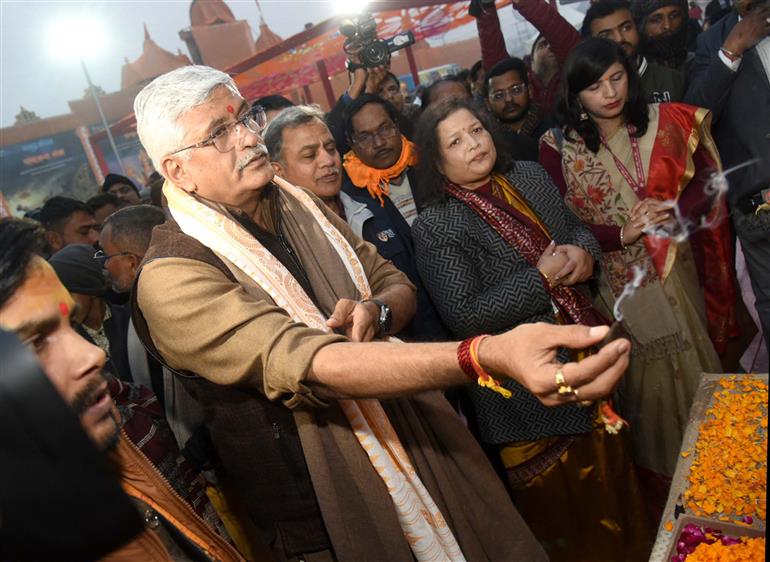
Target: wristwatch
pixel 385 318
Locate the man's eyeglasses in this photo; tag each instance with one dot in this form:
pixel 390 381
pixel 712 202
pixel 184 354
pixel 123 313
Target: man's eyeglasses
pixel 513 91
pixel 103 258
pixel 225 137
pixel 366 140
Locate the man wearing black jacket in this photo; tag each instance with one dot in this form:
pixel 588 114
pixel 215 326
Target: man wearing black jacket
pixel 731 77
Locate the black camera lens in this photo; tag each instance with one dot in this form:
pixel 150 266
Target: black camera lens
pixel 367 27
pixel 348 28
pixel 375 53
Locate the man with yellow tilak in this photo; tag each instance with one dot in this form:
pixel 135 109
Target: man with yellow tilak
pixel 275 316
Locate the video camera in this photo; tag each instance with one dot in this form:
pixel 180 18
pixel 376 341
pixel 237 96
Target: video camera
pixel 362 40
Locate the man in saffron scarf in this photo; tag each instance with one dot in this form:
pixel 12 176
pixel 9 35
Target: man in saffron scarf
pixel 262 301
pixel 379 175
pixel 381 159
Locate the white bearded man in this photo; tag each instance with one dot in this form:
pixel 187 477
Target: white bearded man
pixel 273 314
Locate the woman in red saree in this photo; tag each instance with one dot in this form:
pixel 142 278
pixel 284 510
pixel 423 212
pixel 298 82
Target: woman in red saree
pixel 640 176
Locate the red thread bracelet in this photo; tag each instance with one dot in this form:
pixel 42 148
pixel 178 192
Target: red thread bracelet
pixel 467 357
pixel 464 358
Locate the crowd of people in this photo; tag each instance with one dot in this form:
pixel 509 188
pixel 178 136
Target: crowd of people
pixel 383 332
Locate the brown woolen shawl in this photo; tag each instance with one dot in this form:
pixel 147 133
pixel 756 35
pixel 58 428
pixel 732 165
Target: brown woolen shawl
pixel 357 510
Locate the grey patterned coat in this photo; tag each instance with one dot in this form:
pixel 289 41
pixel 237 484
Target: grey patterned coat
pixel 481 285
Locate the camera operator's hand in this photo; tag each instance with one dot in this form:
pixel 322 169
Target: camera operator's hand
pixel 375 77
pixel 360 75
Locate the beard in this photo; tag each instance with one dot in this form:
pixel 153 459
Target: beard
pixel 85 399
pixel 629 49
pixel 118 287
pixel 668 50
pixel 111 441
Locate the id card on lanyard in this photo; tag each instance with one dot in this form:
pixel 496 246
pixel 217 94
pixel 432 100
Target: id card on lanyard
pixel 638 183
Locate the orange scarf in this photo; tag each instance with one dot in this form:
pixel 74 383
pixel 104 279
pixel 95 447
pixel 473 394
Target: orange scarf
pixel 377 181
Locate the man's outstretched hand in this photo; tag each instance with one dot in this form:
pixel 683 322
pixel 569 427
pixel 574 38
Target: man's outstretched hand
pixel 527 354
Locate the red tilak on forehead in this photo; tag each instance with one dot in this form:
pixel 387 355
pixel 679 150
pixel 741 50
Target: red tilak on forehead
pixel 64 309
pixel 230 109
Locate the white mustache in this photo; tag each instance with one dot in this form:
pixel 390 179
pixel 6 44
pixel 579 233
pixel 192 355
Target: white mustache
pixel 250 156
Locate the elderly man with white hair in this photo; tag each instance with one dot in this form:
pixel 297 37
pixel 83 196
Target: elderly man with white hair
pixel 272 313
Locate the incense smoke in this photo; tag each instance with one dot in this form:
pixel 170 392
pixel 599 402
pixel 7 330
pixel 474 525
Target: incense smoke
pixel 681 227
pixel 628 291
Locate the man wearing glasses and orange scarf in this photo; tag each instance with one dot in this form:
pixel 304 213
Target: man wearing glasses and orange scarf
pixel 379 176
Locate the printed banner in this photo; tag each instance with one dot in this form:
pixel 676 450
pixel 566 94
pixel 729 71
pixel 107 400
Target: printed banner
pixel 33 171
pixel 136 163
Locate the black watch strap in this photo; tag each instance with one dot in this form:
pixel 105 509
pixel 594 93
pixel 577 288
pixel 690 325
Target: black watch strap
pixel 353 66
pixel 385 317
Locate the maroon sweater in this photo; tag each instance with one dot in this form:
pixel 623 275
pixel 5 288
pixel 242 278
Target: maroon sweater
pixel 559 33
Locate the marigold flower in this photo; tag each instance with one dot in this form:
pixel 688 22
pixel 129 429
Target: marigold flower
pixel 728 476
pixel 747 550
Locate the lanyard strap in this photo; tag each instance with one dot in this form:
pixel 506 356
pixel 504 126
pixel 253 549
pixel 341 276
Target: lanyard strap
pixel 638 184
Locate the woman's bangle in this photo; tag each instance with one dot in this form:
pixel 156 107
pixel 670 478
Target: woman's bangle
pixel 622 243
pixel 547 279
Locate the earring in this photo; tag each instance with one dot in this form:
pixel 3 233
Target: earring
pixel 583 114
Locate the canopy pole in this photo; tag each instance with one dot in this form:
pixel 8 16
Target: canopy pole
pixel 412 65
pixel 324 74
pixel 308 94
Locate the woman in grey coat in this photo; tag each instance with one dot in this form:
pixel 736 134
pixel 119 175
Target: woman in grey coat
pixel 496 247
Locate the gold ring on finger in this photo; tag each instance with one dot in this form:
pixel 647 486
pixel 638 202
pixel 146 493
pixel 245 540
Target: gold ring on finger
pixel 567 391
pixel 561 384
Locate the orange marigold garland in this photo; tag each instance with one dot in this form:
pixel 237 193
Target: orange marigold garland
pixel 728 477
